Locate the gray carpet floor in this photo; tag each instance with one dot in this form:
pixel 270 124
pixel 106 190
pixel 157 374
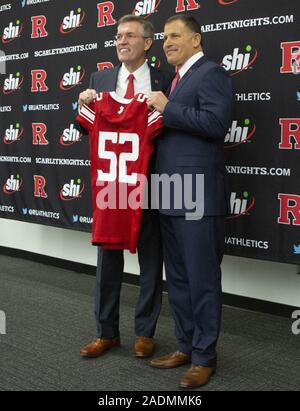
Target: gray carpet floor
pixel 49 317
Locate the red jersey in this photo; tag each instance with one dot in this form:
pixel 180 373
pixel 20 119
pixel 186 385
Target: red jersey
pixel 121 133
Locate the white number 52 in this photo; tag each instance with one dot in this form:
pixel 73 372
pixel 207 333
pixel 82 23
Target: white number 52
pixel 118 138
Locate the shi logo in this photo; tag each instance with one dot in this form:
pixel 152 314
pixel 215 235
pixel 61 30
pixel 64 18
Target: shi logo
pixel 121 110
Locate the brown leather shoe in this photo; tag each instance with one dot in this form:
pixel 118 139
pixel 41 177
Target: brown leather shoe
pixel 144 346
pixel 196 376
pixel 171 361
pixel 99 346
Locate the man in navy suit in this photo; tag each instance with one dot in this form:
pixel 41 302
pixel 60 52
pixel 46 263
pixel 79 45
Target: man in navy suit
pixel 196 117
pixel 134 39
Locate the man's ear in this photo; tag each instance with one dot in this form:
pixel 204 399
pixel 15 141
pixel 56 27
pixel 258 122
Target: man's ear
pixel 197 40
pixel 148 43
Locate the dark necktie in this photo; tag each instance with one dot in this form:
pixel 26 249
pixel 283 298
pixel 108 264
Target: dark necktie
pixel 130 88
pixel 174 83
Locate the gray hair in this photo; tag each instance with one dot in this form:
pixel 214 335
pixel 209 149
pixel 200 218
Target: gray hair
pixel 147 26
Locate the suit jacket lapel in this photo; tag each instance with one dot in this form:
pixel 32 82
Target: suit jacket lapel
pixel 187 75
pixel 114 77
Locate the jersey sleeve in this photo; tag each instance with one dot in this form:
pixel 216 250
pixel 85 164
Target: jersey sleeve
pixel 86 116
pixel 155 124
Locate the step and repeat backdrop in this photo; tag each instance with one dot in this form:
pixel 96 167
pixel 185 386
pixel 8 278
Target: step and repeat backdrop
pixel 49 48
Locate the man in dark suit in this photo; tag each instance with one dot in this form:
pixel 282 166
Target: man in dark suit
pixel 196 117
pixel 134 39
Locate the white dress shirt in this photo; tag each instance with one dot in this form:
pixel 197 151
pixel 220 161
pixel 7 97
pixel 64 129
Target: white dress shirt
pixel 188 64
pixel 141 83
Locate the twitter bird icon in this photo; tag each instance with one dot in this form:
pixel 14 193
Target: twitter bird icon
pixel 296 249
pixel 298 95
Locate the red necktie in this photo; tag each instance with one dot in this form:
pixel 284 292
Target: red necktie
pixel 174 83
pixel 130 87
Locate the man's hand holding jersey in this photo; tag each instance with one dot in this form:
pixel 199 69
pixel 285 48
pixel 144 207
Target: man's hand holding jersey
pixel 157 100
pixel 86 97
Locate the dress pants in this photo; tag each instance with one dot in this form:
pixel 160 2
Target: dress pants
pixel 109 274
pixel 193 251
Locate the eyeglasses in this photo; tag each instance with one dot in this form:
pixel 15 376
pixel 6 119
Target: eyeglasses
pixel 127 36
